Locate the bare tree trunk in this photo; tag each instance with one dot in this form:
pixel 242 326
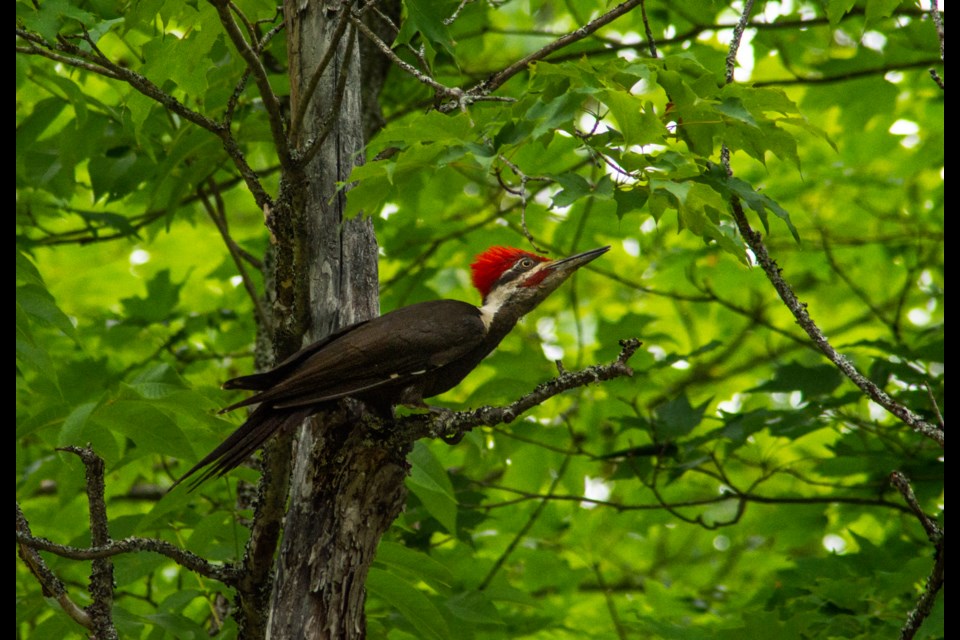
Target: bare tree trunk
pixel 347 487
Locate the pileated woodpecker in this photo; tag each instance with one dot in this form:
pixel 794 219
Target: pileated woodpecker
pixel 401 357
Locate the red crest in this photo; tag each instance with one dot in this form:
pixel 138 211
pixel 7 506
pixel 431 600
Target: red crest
pixel 490 265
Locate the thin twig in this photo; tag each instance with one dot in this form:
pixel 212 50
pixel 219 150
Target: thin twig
pixel 934 582
pixel 234 98
pixel 456 13
pixel 218 215
pixel 697 502
pixel 789 297
pixel 88 233
pixel 731 63
pixel 930 526
pixel 842 77
pixel 101 574
pixel 525 528
pixel 303 101
pixel 522 193
pixel 737 37
pixel 330 119
pixel 938 22
pixel 454 425
pixel 51 585
pixel 222 573
pixel 496 80
pixel 441 89
pixel 268 36
pixel 611 605
pixel 857 290
pixel 651 43
pixel 71 55
pixel 67 60
pixel 936 78
pixel 251 30
pixel 936 407
pixel 270 100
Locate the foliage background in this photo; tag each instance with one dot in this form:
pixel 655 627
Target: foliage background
pixel 736 486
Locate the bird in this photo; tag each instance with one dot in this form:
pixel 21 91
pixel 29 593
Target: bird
pixel 399 358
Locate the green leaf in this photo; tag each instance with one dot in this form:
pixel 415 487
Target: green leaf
pixel 162 298
pixel 574 186
pixel 677 418
pixel 416 563
pixel 878 9
pixel 630 199
pixel 733 107
pixel 36 124
pixel 428 15
pixel 699 208
pixel 37 303
pixel 717 178
pixel 412 604
pixel 550 115
pixel 473 607
pixel 49 17
pixel 428 480
pixel 836 9
pixel 34 301
pixel 813 381
pixel 152 430
pixel 635 118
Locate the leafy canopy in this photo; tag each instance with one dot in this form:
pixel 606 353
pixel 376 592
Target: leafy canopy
pixel 736 486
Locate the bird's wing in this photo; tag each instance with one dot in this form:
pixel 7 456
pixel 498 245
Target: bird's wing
pixel 391 350
pixel 266 379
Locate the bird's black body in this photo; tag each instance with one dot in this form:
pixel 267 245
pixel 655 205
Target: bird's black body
pixel 402 357
pixel 399 358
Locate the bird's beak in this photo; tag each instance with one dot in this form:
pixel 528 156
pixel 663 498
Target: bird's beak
pixel 566 266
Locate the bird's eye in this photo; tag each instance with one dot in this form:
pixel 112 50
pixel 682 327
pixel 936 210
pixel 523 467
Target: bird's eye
pixel 526 263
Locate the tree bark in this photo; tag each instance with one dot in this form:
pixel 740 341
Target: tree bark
pixel 347 486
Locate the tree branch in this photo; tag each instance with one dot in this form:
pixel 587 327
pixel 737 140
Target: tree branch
pixel 938 22
pixel 934 584
pixel 52 585
pixel 89 234
pixel 218 215
pixel 270 101
pixel 452 426
pixel 101 574
pixel 77 57
pixel 611 605
pixel 307 96
pixel 223 573
pixel 495 81
pixel 330 118
pixel 797 308
pixel 799 311
pixel 74 56
pixel 498 564
pixel 441 89
pixel 651 43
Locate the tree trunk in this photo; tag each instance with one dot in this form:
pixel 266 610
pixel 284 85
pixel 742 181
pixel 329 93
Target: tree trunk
pixel 346 487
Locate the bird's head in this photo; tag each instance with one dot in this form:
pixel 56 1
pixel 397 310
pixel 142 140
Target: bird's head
pixel 516 281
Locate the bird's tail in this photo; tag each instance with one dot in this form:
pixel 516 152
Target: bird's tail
pixel 262 423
